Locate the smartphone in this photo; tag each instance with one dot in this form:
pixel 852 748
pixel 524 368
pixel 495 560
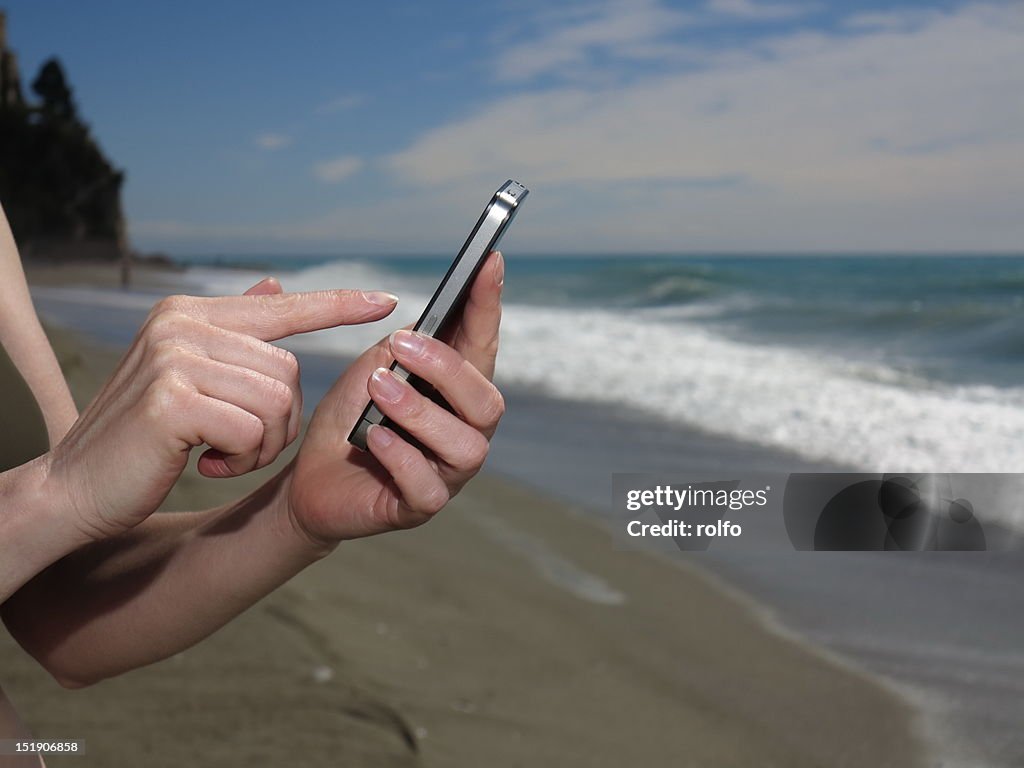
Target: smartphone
pixel 446 304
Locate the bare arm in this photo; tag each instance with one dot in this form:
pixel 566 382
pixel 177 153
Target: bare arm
pixel 32 529
pixel 193 377
pixel 158 588
pixel 170 581
pixel 23 338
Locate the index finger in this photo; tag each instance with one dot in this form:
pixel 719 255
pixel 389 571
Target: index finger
pixel 274 316
pixel 476 336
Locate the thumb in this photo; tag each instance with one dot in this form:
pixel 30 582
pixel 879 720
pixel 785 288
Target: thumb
pixel 264 287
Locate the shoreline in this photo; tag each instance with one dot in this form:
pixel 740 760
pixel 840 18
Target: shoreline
pixel 723 684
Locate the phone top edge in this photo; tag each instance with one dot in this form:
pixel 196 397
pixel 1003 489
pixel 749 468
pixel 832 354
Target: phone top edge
pixel 500 210
pixel 511 192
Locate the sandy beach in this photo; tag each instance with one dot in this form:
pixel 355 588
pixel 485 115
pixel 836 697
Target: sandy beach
pixel 510 631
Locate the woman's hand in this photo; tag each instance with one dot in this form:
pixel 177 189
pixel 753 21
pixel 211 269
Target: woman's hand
pixel 338 492
pixel 175 578
pixel 201 371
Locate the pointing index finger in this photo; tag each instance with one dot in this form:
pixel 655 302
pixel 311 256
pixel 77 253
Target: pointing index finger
pixel 274 316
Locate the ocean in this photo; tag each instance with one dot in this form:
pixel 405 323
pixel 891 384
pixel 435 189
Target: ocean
pixel 881 363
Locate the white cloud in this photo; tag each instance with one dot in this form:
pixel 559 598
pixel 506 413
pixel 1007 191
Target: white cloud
pixel 903 131
pixel 631 29
pixel 272 141
pixel 578 41
pixel 911 135
pixel 339 104
pixel 898 21
pixel 337 169
pixel 757 11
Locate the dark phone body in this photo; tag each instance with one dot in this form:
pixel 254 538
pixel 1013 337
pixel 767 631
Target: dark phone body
pixel 447 301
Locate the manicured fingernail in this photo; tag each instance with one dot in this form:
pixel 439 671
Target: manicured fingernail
pixel 408 343
pixel 499 269
pixel 379 436
pixel 380 298
pixel 387 385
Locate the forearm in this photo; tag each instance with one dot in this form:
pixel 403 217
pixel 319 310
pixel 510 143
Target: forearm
pixel 26 343
pixel 163 587
pixel 31 353
pixel 33 528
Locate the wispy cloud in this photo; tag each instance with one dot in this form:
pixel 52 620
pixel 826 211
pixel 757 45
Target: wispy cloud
pixel 272 141
pixel 800 117
pixel 749 10
pixel 579 40
pixel 337 169
pixel 893 21
pixel 339 104
pixel 882 130
pixel 570 40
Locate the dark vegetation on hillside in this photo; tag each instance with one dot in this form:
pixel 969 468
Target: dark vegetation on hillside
pixel 62 196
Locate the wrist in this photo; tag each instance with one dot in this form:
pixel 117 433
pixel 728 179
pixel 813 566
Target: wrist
pixel 289 527
pixel 33 522
pixel 66 487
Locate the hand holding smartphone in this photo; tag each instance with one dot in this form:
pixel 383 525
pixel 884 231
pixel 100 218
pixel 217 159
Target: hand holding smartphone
pixel 446 304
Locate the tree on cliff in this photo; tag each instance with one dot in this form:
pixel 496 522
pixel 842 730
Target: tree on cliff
pixel 52 87
pixel 56 185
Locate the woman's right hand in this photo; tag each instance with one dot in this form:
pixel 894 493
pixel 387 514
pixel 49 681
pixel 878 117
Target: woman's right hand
pixel 201 371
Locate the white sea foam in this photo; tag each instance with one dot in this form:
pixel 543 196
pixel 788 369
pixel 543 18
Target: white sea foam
pixel 816 405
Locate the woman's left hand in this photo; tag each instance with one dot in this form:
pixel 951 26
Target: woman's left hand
pixel 339 492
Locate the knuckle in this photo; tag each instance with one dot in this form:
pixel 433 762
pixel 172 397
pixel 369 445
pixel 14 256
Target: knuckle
pixel 406 462
pixel 282 304
pixel 279 398
pixel 450 364
pixel 165 324
pixel 170 304
pixel 289 364
pixel 165 355
pixel 494 408
pixel 474 451
pixel 413 405
pixel 250 432
pixel 480 451
pixel 435 499
pixel 165 397
pixel 490 348
pixel 339 298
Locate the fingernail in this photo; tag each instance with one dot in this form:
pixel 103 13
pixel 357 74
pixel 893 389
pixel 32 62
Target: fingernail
pixel 408 343
pixel 379 436
pixel 387 385
pixel 380 298
pixel 258 288
pixel 499 270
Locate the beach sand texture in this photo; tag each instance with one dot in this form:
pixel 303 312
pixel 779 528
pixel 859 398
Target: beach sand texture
pixel 510 631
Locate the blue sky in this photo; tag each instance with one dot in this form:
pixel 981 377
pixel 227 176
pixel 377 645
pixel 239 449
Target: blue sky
pixel 749 125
